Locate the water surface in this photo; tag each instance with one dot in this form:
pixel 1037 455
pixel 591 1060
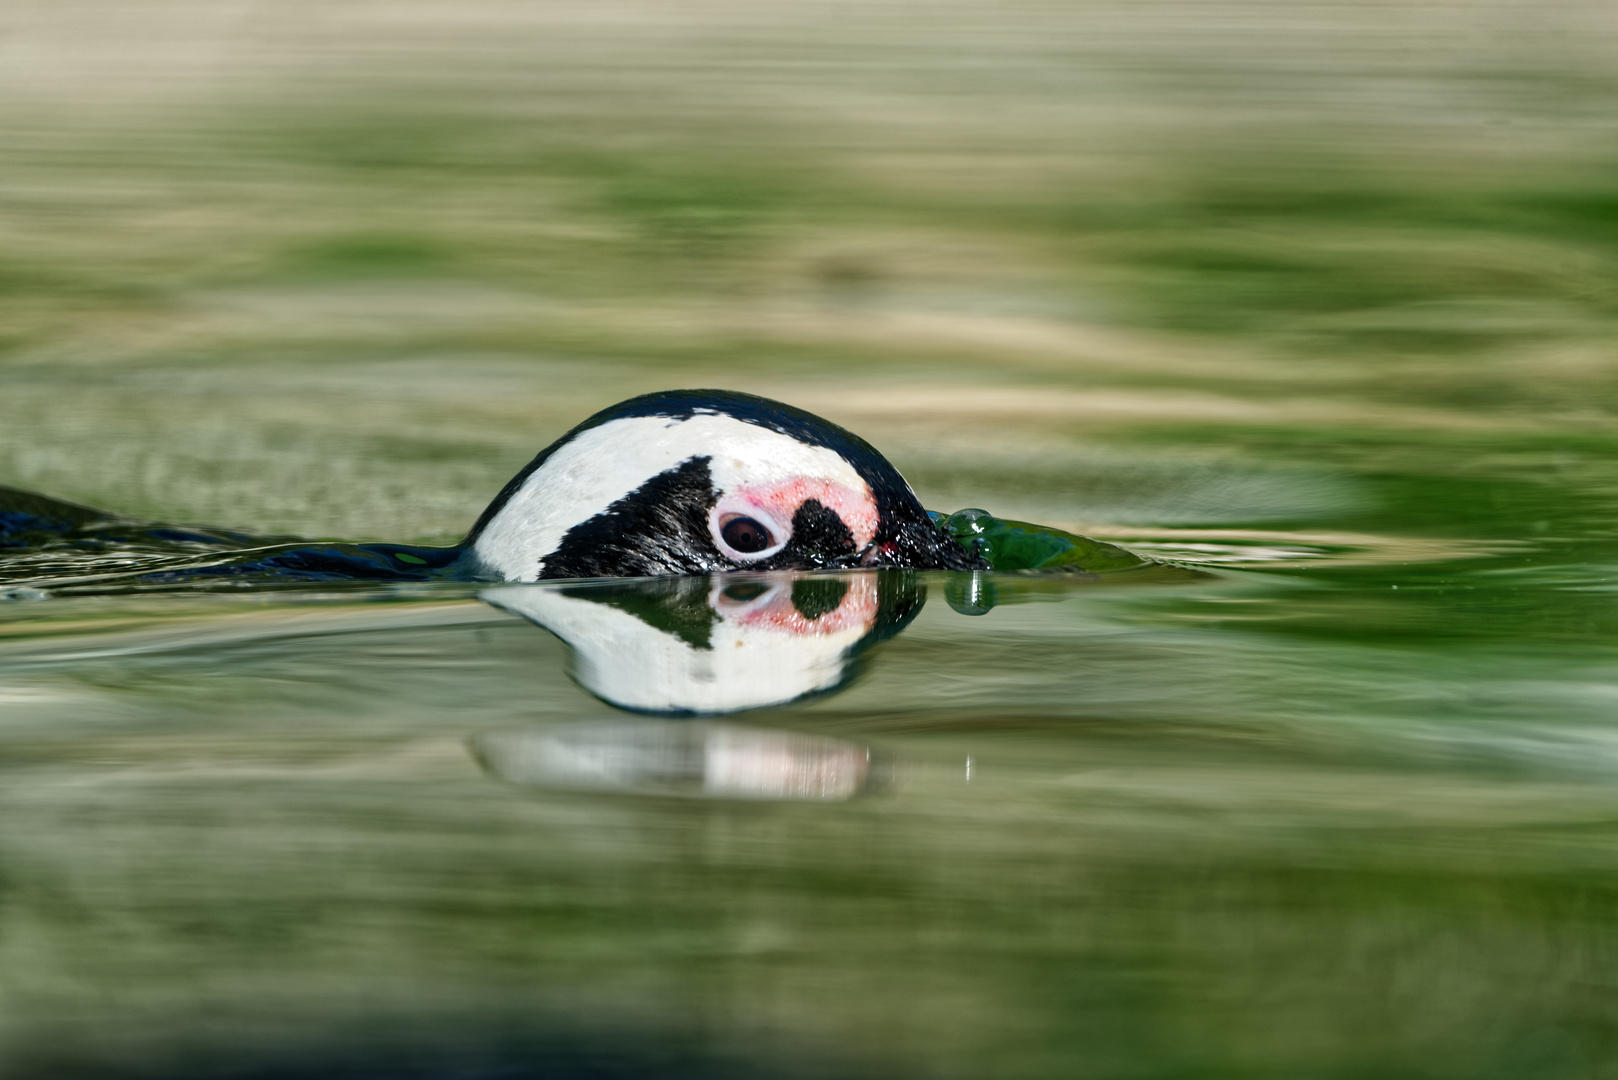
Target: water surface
pixel 1175 825
pixel 1322 299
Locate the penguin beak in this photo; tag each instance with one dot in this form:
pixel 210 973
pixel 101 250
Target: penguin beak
pixel 920 545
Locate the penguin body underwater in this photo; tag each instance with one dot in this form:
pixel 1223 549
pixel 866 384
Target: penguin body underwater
pixel 672 483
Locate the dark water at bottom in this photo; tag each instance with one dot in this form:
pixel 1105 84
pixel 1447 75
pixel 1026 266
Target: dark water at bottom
pixel 1353 814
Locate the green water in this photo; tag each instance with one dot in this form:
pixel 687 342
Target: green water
pixel 1321 298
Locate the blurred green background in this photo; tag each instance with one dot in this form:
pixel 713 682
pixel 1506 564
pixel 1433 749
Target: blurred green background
pixel 339 268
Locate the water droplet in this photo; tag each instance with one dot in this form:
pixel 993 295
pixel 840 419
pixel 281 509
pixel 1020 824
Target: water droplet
pixel 971 593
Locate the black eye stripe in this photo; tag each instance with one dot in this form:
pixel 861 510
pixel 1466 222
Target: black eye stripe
pixel 746 535
pixel 659 528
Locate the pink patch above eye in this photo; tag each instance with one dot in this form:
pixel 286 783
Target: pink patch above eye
pixel 782 500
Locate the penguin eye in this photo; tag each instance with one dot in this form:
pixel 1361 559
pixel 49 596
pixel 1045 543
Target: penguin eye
pixel 744 532
pixel 746 535
pixel 745 593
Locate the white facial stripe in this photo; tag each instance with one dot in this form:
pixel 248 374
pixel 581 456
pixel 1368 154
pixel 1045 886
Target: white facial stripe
pixel 604 464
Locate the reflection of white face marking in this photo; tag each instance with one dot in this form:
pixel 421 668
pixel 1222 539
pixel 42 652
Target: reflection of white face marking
pixel 757 472
pixel 763 651
pixel 678 757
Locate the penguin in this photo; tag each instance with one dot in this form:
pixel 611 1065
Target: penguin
pixel 680 482
pixel 703 482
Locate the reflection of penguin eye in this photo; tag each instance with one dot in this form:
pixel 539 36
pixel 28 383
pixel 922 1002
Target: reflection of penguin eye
pixel 741 594
pixel 745 535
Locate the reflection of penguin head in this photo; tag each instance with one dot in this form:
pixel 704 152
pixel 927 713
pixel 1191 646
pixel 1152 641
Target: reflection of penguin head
pixel 706 481
pixel 718 644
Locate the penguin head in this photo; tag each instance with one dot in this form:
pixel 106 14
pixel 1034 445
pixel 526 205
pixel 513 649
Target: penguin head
pixel 706 481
